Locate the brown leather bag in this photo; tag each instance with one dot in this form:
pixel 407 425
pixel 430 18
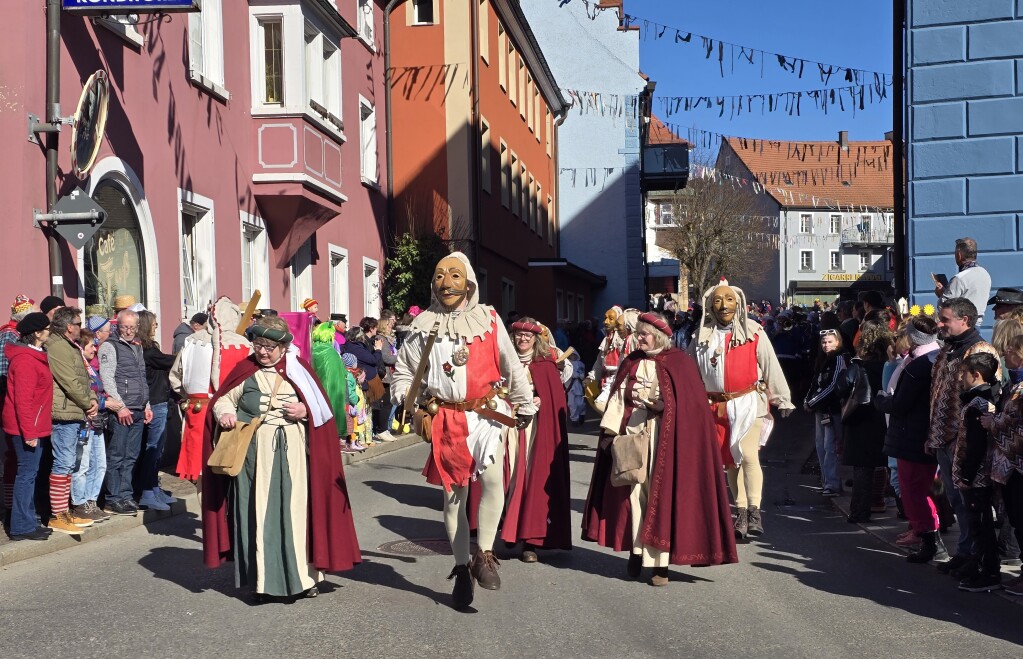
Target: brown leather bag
pixel 228 456
pixel 374 390
pixel 422 425
pixel 629 459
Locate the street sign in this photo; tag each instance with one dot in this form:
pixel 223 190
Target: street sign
pixel 87 7
pixel 77 232
pixel 89 121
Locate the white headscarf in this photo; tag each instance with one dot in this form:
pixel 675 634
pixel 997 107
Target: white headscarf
pixel 472 322
pixel 743 329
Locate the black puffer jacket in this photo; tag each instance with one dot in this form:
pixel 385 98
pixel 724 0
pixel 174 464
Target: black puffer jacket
pixel 909 410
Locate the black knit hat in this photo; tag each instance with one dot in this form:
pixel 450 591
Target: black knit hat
pixel 200 319
pixel 33 322
pixel 51 302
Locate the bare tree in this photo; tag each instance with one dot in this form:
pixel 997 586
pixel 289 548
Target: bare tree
pixel 715 232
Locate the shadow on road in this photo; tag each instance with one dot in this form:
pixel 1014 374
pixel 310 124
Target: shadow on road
pixel 378 573
pixel 418 496
pixel 413 528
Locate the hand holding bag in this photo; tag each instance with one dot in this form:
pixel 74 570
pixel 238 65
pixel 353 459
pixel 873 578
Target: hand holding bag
pixel 629 459
pixel 861 398
pixel 228 455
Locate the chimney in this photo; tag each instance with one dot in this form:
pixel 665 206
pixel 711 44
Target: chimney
pixel 843 139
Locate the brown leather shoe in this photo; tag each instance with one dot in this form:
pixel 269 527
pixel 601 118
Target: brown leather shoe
pixel 529 555
pixel 741 523
pixel 660 577
pixel 484 570
pixel 755 525
pixel 462 593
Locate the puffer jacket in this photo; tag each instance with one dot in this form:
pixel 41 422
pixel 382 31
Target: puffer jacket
pixel 72 390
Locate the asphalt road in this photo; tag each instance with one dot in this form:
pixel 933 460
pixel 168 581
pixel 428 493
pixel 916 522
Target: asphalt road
pixel 814 586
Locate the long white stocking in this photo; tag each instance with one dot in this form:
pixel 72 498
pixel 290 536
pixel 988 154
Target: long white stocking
pixel 491 502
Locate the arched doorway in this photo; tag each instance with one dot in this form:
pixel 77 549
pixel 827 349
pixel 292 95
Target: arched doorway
pixel 114 261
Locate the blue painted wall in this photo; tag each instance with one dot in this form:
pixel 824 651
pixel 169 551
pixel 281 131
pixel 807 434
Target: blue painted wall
pixel 964 91
pixel 601 206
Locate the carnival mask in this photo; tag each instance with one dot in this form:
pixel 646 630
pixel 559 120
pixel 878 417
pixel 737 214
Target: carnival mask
pixel 723 302
pixel 450 283
pixel 611 320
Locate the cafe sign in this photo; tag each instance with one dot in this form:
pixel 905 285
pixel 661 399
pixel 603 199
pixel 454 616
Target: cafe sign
pixel 840 276
pixel 86 7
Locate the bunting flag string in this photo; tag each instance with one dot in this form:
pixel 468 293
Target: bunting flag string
pixel 829 99
pixel 719 50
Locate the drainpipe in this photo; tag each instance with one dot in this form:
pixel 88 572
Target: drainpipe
pixel 387 114
pixel 53 140
pixel 900 253
pixel 474 132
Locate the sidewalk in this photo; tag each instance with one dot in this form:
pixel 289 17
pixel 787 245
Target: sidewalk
pixel 887 527
pixel 188 502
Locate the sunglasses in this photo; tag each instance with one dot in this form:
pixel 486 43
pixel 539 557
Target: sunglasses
pixel 831 332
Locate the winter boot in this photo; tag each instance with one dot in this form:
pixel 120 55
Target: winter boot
pixel 464 589
pixel 741 523
pixel 931 548
pixel 755 525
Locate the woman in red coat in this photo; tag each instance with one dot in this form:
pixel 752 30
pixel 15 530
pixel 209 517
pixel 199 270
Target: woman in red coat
pixel 679 514
pixel 27 419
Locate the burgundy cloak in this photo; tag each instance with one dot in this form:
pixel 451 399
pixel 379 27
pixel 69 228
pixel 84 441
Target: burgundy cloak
pixel 332 545
pixel 687 514
pixel 540 509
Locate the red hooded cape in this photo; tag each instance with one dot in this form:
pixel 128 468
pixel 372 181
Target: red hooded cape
pixel 332 545
pixel 540 509
pixel 687 514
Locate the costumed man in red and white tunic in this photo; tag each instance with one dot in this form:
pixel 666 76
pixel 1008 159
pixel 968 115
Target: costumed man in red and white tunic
pixel 609 355
pixel 470 358
pixel 539 510
pixel 667 504
pixel 743 378
pixel 198 371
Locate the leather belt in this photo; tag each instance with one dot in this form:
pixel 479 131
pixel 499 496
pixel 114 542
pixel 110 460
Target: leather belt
pixel 477 405
pixel 724 397
pixel 196 404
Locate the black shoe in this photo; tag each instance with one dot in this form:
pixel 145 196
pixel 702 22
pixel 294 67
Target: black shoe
pixel 931 548
pixel 38 534
pixel 969 569
pixel 635 566
pixel 121 508
pixel 465 588
pixel 858 518
pixel 311 593
pixel 956 561
pixel 981 583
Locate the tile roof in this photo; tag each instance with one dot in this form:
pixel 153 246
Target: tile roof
pixel 661 134
pixel 859 176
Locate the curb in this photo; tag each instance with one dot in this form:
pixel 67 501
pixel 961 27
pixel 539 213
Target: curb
pixel 883 533
pixel 187 503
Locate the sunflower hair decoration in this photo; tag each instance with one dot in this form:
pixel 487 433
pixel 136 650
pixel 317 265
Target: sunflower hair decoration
pixel 915 310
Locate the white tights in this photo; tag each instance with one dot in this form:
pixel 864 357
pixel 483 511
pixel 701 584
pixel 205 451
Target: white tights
pixel 456 518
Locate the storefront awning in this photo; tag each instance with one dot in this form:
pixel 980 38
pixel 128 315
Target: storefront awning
pixel 567 267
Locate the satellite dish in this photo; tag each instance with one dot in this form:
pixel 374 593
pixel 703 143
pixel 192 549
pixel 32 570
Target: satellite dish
pixel 89 121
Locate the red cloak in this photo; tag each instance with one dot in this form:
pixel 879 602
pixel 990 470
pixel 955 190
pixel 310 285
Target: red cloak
pixel 687 514
pixel 540 509
pixel 332 545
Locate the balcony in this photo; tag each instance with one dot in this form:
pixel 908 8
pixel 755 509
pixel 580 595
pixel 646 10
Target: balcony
pixel 857 237
pixel 665 166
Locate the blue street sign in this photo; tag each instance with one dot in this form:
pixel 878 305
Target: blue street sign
pixel 129 6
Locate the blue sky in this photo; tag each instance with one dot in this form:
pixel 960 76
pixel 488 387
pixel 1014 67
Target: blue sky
pixel 855 34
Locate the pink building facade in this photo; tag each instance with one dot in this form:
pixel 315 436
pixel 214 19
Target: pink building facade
pixel 242 153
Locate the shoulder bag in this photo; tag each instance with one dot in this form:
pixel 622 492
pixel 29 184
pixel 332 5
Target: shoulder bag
pixel 857 406
pixel 228 455
pixel 629 455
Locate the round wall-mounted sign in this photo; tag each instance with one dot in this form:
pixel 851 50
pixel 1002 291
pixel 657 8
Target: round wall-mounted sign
pixel 90 119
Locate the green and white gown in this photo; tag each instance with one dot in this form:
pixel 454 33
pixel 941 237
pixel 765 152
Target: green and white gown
pixel 269 499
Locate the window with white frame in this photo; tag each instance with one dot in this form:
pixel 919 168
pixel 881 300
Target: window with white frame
pixel 513 76
pixel 502 57
pixel 570 306
pixel 338 271
pixel 890 260
pixel 806 223
pixel 531 188
pixel 483 285
pixel 516 185
pixel 485 31
pixel 550 221
pixel 255 260
pixel 366 21
pixel 507 296
pixel 505 176
pixel 368 137
pixel 527 102
pixel 665 214
pixel 524 191
pixel 270 80
pixel 542 221
pixel 485 174
pixel 206 44
pixel 835 259
pixel 198 266
pixel 371 287
pixel 423 12
pixel 523 95
pixel 866 260
pixel 322 74
pixel 836 225
pixel 549 133
pixel 536 112
pixel 806 260
pixel 537 205
pixel 301 275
